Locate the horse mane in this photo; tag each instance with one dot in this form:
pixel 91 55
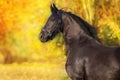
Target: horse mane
pixel 89 29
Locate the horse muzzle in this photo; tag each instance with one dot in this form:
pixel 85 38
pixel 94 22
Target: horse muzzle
pixel 43 37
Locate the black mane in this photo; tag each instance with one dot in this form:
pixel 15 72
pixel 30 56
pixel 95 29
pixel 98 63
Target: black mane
pixel 89 29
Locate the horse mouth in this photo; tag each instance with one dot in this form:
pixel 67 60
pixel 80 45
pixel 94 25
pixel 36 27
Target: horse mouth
pixel 46 37
pixel 43 39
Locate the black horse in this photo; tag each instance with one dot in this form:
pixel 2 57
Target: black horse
pixel 87 58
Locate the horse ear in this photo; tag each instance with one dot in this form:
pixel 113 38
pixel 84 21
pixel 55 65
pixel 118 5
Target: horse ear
pixel 53 8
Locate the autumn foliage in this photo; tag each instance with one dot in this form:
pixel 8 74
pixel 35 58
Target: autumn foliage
pixel 22 20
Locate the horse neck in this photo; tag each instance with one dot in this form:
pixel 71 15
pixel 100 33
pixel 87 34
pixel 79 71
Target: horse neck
pixel 72 28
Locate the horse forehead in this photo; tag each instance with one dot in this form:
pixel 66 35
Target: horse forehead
pixel 64 15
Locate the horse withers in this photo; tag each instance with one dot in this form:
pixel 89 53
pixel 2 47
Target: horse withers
pixel 87 58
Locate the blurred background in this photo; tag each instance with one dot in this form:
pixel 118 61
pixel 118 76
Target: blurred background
pixel 24 57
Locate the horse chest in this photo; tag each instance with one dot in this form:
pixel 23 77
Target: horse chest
pixel 75 66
